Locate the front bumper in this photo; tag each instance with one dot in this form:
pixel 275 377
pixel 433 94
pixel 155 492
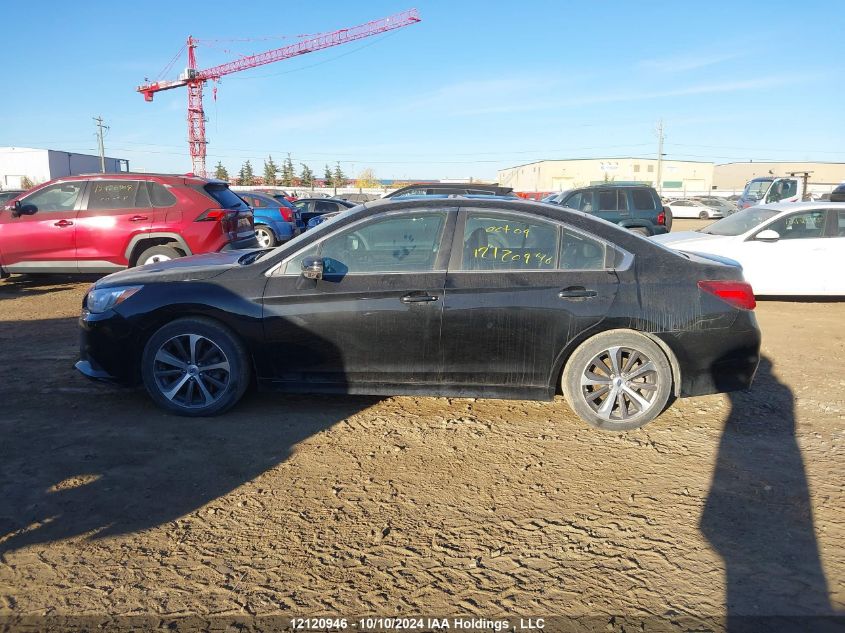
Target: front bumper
pixel 108 348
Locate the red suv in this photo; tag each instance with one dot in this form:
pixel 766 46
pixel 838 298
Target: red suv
pixel 106 222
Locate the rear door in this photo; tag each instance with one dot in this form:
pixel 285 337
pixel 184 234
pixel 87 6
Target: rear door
pixel 519 288
pixel 611 205
pixel 115 212
pixel 44 239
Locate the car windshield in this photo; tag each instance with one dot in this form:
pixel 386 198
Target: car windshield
pixel 756 189
pixel 740 222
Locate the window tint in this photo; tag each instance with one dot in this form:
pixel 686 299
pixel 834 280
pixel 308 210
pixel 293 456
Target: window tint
pixel 573 202
pixel 160 196
pixel 225 197
pixel 508 242
pixel 612 201
pixel 113 194
pixel 142 198
pixel 59 197
pixel 408 243
pixel 800 226
pixel 578 252
pixel 323 206
pixel 643 200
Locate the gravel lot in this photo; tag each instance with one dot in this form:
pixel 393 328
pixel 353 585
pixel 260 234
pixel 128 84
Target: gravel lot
pixel 353 505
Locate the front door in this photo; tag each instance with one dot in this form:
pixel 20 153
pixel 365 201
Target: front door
pixel 795 263
pixel 374 318
pixel 519 288
pixel 43 238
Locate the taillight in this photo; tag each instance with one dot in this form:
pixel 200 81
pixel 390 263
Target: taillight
pixel 737 293
pixel 661 218
pixel 214 215
pixel 287 216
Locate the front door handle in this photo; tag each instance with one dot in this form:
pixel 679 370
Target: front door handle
pixel 420 296
pixel 138 218
pixel 63 223
pixel 576 292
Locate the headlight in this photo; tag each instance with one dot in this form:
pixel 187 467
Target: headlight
pixel 102 299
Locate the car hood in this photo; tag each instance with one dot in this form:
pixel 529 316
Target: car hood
pixel 196 267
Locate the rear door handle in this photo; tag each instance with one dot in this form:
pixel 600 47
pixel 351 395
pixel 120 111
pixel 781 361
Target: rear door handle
pixel 576 292
pixel 420 296
pixel 63 223
pixel 138 218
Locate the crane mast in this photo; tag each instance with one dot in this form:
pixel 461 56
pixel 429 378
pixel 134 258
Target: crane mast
pixel 194 79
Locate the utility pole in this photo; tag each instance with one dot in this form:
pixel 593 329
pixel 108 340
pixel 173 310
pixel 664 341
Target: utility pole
pixel 660 157
pixel 100 127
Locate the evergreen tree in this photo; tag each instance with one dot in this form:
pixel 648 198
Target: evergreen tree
pixel 288 174
pixel 270 171
pixel 220 172
pixel 246 175
pixel 338 178
pixel 306 176
pixel 327 176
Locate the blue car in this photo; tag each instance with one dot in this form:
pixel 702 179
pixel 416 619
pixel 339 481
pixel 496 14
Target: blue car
pixel 276 221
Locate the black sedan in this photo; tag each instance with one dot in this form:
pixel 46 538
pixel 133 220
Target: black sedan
pixel 460 297
pixel 309 208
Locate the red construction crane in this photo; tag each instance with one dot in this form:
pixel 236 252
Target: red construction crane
pixel 194 79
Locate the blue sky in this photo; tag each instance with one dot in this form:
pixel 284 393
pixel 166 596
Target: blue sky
pixel 474 87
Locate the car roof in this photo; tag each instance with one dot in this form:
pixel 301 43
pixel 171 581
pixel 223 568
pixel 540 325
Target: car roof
pixel 800 206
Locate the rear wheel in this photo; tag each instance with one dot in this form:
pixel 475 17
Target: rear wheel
pixel 195 367
pixel 157 254
pixel 617 381
pixel 703 215
pixel 641 230
pixel 265 236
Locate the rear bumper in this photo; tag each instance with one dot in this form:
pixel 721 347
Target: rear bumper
pixel 717 361
pixel 659 229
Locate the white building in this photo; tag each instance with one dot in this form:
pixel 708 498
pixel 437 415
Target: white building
pixel 41 165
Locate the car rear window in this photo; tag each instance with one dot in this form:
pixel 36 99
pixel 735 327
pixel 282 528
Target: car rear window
pixel 643 200
pixel 224 196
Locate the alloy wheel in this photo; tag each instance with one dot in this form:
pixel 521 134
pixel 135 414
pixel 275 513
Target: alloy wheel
pixel 156 259
pixel 619 383
pixel 191 371
pixel 264 237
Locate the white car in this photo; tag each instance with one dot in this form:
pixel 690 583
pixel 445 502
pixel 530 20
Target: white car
pixel 791 248
pixel 693 209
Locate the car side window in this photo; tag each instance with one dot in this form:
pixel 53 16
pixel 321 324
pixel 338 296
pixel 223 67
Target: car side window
pixel 573 202
pixel 579 252
pixel 407 243
pixel 508 242
pixel 798 226
pixel 643 200
pixel 324 206
pixel 58 197
pixel 607 201
pixel 160 196
pixel 113 194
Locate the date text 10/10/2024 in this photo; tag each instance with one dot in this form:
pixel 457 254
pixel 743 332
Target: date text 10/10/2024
pixel 417 624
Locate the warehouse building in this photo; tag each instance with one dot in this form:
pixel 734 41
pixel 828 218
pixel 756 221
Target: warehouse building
pixel 680 177
pixel 41 165
pixel 733 176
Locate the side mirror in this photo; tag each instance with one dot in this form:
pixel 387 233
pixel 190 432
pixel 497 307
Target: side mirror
pixel 19 209
pixel 312 268
pixel 769 235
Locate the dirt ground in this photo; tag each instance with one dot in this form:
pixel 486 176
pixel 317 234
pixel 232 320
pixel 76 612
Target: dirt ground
pixel 306 506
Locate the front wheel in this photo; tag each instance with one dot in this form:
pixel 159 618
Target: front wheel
pixel 703 215
pixel 617 381
pixel 195 367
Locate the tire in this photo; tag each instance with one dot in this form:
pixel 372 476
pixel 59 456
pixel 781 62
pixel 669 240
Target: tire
pixel 641 231
pixel 175 367
pixel 265 237
pixel 703 215
pixel 629 347
pixel 669 219
pixel 157 254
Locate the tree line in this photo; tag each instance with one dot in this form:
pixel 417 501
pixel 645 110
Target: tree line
pixel 286 176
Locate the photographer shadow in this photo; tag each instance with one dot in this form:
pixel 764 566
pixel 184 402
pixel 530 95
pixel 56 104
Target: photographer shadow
pixel 758 514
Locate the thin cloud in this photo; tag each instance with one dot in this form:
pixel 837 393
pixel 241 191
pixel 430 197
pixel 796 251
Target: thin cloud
pixel 683 63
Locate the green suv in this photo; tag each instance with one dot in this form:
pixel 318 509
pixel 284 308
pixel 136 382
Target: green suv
pixel 634 207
